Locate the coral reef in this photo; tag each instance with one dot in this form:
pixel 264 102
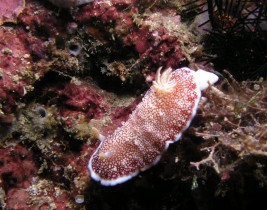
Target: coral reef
pixel 16 62
pixel 9 10
pixel 70 76
pixel 69 3
pixel 16 170
pixel 163 40
pixel 17 72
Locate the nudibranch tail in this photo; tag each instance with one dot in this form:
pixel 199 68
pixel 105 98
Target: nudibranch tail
pixel 159 120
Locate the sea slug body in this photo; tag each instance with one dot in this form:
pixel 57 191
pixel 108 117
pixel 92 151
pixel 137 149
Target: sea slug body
pixel 165 112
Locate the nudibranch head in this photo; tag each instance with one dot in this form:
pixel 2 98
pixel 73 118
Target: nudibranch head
pixel 160 119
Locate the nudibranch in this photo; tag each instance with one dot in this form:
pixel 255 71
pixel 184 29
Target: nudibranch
pixel 165 112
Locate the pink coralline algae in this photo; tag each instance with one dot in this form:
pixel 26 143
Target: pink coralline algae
pixel 160 119
pixel 15 63
pixel 84 98
pixel 108 12
pixel 160 37
pixel 17 168
pixel 10 9
pixel 44 23
pixel 161 48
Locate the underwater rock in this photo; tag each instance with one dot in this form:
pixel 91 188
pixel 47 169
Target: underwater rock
pixel 41 22
pixel 84 106
pixel 10 9
pixel 83 97
pixel 16 73
pixel 17 167
pixel 159 37
pixel 69 3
